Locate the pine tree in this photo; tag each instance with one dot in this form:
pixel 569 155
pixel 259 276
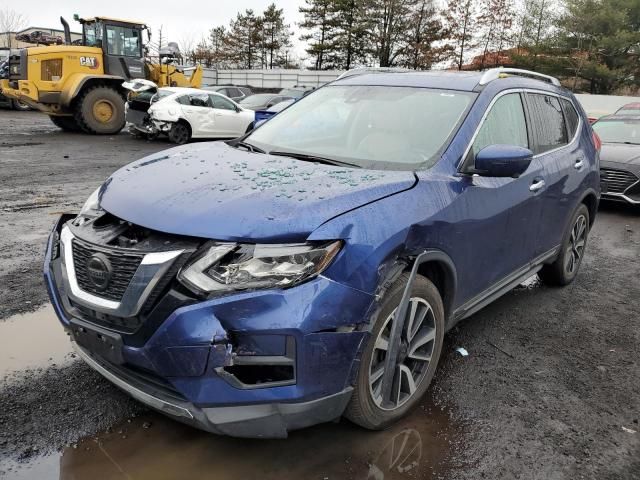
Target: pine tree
pixel 244 38
pixel 320 20
pixel 276 35
pixel 462 19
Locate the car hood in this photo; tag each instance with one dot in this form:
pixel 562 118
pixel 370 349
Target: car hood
pixel 620 153
pixel 212 190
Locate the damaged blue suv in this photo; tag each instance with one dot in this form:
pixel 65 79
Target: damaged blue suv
pixel 310 269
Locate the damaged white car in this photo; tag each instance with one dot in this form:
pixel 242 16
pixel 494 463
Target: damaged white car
pixel 186 113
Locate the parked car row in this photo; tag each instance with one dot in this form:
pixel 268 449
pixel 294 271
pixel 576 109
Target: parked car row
pixel 183 114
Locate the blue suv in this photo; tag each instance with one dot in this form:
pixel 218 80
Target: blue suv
pixel 310 269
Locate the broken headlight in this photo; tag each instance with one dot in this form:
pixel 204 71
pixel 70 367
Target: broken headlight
pixel 91 208
pixel 224 267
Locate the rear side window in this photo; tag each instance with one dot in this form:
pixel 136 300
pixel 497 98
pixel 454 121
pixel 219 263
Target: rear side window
pixel 571 117
pixel 222 103
pixel 504 125
pixel 547 122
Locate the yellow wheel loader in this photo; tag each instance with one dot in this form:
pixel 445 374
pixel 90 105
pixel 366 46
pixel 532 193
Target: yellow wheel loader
pixel 80 86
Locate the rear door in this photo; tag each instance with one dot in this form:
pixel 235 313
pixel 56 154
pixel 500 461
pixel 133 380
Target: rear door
pixel 554 124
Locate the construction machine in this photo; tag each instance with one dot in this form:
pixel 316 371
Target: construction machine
pixel 80 86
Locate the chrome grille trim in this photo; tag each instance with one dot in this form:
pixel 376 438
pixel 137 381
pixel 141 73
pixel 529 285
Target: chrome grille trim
pixel 151 269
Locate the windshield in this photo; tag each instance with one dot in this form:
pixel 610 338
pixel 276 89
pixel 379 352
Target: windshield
pixel 618 131
pixel 292 92
pixel 258 99
pixel 370 126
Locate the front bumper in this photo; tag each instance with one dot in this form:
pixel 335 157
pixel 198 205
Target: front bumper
pixel 273 420
pixel 190 347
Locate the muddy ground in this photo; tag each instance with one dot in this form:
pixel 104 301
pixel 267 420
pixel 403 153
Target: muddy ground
pixel 550 389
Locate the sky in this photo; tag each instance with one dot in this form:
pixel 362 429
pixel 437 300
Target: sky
pixel 181 19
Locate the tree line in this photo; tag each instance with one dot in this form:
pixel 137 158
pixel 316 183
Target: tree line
pixel 250 41
pixel 594 43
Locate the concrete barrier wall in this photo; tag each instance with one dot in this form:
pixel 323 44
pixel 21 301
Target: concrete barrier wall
pixel 269 78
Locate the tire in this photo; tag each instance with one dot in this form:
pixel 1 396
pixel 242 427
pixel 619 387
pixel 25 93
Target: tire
pixel 20 106
pixel 68 124
pixel 565 268
pixel 363 409
pixel 180 133
pixel 100 110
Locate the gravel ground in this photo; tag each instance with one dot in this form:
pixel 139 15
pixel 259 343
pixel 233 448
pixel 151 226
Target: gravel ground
pixel 550 389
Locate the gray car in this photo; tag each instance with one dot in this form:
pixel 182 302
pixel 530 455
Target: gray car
pixel 262 101
pixel 620 157
pixel 230 91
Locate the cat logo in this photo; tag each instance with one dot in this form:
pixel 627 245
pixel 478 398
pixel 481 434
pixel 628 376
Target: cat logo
pixel 91 62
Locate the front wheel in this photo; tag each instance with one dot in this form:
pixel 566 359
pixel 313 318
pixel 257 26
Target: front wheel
pixel 419 352
pixel 20 106
pixel 100 110
pixel 565 268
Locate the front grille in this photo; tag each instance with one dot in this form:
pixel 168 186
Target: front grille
pixel 124 266
pixel 51 70
pixel 617 181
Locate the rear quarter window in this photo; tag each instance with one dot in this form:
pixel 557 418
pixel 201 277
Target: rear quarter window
pixel 571 117
pixel 547 122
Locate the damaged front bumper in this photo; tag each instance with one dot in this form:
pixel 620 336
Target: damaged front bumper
pixel 249 364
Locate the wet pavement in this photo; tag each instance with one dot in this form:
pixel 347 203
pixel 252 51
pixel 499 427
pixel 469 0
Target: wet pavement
pixel 33 340
pixel 156 447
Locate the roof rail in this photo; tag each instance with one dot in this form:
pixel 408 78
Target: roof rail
pixel 495 73
pixel 365 70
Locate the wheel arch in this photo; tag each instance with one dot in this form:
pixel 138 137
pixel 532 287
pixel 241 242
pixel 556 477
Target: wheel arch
pixel 590 199
pixel 81 83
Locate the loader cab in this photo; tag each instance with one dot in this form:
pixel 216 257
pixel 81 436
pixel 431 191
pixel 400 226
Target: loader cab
pixel 121 44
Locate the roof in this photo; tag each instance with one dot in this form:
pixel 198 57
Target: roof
pixel 110 19
pixel 453 80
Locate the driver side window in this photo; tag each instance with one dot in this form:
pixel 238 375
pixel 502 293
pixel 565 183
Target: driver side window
pixel 504 125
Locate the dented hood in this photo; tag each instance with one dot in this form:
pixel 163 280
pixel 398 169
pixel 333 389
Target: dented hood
pixel 212 190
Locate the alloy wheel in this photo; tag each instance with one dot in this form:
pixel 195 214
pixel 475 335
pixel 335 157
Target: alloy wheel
pixel 417 343
pixel 577 241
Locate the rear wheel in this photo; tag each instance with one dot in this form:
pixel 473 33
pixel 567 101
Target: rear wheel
pixel 100 110
pixel 68 124
pixel 565 268
pixel 180 133
pixel 21 106
pixel 420 347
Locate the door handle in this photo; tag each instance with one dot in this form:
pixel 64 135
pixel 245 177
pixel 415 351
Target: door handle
pixel 579 164
pixel 537 184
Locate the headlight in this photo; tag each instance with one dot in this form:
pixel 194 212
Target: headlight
pixel 224 267
pixel 90 209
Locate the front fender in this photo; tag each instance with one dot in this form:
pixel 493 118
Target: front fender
pixel 76 81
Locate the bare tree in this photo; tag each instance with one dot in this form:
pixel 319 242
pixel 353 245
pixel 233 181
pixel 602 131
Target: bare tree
pixel 10 22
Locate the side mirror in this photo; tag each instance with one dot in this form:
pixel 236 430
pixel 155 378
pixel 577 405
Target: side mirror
pixel 502 161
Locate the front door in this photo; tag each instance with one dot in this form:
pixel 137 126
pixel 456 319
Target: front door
pixel 123 52
pixel 503 213
pixel 228 122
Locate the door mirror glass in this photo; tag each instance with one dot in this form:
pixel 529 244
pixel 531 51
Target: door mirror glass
pixel 502 161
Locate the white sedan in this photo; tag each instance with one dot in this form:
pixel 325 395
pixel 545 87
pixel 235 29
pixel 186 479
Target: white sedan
pixel 186 113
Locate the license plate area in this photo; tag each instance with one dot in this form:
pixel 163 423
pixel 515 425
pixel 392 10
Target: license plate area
pixel 105 344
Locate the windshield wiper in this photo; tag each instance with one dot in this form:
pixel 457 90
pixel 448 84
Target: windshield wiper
pixel 248 146
pixel 313 158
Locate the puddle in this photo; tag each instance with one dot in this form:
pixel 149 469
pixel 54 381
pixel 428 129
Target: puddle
pixel 32 340
pixel 157 447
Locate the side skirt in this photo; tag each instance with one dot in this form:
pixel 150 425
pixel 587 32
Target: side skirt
pixel 503 286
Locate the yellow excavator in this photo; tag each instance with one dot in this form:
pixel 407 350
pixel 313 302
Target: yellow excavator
pixel 80 86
